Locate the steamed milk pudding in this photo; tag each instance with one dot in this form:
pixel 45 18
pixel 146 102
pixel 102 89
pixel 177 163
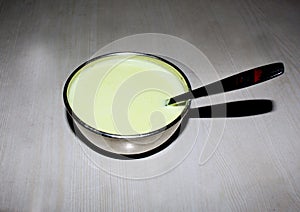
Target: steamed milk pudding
pixel 125 94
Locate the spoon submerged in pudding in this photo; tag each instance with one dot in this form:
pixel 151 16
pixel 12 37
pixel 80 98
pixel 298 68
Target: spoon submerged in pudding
pixel 238 81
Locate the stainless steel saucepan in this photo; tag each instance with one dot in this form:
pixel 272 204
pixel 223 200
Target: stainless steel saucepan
pixel 101 115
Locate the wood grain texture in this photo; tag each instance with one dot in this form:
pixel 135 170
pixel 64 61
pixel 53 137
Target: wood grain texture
pixel 44 167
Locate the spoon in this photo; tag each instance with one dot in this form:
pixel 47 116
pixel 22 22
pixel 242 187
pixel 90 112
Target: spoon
pixel 235 82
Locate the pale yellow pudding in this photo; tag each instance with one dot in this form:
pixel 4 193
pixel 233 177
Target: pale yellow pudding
pixel 125 94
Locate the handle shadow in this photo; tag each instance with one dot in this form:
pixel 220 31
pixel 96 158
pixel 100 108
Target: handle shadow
pixel 233 109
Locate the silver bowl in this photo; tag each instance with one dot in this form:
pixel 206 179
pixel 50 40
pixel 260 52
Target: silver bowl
pixel 126 144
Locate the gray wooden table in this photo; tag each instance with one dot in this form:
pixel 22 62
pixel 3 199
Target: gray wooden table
pixel 255 165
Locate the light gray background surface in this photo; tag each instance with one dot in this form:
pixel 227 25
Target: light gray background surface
pixel 44 167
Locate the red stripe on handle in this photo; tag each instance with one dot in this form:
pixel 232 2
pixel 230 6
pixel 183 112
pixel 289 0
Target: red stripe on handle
pixel 257 75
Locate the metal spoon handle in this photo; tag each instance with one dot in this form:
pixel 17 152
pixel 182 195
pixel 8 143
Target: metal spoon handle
pixel 235 82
